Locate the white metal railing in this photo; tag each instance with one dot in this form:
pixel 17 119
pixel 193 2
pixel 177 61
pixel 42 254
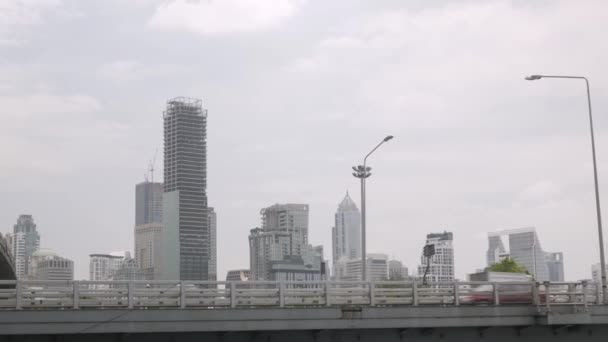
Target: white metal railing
pixel 21 295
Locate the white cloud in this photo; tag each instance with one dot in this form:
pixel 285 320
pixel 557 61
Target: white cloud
pixel 17 16
pixel 223 16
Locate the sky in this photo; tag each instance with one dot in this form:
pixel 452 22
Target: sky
pixel 297 92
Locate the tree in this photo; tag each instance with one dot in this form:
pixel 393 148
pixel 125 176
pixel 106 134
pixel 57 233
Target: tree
pixel 508 265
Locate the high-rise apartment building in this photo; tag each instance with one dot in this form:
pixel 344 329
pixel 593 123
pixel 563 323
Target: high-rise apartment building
pixel 291 219
pixel 148 227
pixel 524 247
pixel 23 242
pixel 47 265
pixel 346 233
pixel 186 250
pixel 103 266
pixel 280 250
pixel 442 263
pixel 555 266
pixel 212 244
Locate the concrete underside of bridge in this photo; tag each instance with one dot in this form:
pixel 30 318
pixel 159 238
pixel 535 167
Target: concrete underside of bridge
pixel 579 333
pixel 491 323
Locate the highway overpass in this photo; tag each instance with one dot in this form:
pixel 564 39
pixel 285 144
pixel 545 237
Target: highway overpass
pixel 324 311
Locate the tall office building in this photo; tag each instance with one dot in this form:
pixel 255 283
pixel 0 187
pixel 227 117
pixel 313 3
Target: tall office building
pixel 23 242
pixel 185 251
pixel 523 246
pixel 280 250
pixel 103 266
pixel 47 265
pixel 442 263
pixel 346 233
pixel 212 244
pixel 148 227
pixel 555 266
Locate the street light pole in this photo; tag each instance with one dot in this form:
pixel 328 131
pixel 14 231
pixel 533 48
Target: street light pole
pixel 362 172
pixel 597 192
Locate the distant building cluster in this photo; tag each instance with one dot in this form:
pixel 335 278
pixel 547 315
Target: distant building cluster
pixel 30 262
pixel 175 233
pixel 524 247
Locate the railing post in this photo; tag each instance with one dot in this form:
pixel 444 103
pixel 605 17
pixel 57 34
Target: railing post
pixel 281 294
pixel 372 294
pixel 496 294
pixel 547 295
pixel 19 295
pixel 76 294
pixel 327 297
pixel 182 295
pixel 232 295
pixel 572 293
pixel 415 293
pixel 584 285
pixel 456 293
pixel 130 295
pixel 535 299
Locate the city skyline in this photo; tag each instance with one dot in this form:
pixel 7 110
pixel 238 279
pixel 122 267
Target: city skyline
pixel 479 149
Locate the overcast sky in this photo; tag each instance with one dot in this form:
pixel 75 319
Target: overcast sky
pixel 298 91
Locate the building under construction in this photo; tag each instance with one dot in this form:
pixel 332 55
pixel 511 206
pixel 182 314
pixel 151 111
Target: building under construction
pixel 185 252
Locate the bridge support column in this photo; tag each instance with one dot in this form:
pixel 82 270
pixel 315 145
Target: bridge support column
pixel 496 295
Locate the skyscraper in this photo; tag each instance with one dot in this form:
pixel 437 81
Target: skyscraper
pixel 212 244
pixel 148 227
pixel 442 263
pixel 185 251
pixel 23 242
pixel 523 246
pixel 346 233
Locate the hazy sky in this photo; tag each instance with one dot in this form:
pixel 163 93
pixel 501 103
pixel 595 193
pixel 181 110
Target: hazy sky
pixel 298 91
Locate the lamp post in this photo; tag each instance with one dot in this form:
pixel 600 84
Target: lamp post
pixel 362 172
pixel 597 193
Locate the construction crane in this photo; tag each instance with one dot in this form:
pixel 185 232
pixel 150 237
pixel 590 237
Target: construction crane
pixel 151 166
